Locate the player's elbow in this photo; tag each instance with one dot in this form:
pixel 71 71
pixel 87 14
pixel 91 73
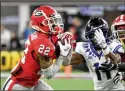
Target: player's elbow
pixel 48 72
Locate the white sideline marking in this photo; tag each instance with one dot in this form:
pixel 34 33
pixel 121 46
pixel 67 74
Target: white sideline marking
pixel 60 75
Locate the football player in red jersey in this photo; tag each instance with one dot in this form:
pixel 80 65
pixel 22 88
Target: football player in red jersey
pixel 118 28
pixel 39 52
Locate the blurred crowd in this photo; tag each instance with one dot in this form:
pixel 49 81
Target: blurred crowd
pixel 11 41
pixel 74 24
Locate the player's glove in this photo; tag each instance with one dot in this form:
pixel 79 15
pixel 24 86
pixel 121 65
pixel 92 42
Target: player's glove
pixel 123 76
pixel 116 79
pixel 64 48
pixel 107 66
pixel 100 39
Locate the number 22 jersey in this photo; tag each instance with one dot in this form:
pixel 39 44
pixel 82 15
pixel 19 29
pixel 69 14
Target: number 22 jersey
pixel 27 71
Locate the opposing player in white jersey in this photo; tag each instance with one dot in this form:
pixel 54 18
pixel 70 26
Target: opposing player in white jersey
pixel 118 34
pixel 96 51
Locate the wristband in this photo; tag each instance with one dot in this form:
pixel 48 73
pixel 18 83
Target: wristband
pixel 106 50
pixel 115 67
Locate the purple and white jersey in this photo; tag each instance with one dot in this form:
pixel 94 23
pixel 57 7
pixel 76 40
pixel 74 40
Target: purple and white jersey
pixel 93 58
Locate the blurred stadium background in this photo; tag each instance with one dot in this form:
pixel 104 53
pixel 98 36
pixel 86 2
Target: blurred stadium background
pixel 14 20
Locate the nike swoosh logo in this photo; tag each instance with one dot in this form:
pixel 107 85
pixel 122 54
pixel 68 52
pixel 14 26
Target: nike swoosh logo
pixel 66 49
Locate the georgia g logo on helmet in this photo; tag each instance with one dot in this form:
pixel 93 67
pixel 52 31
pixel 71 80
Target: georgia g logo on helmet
pixel 38 13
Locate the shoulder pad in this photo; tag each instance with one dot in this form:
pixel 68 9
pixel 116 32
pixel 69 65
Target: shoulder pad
pixel 116 47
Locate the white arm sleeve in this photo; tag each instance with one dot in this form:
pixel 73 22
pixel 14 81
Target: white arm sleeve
pixel 79 48
pixel 67 60
pixel 54 68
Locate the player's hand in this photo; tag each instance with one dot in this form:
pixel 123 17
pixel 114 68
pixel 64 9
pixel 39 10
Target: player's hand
pixel 116 79
pixel 64 48
pixel 107 66
pixel 100 39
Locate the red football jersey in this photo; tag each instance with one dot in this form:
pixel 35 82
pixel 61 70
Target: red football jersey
pixel 26 72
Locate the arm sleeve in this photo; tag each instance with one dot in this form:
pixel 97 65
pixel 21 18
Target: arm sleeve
pixel 67 60
pixel 54 68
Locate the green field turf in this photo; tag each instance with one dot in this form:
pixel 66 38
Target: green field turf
pixel 67 84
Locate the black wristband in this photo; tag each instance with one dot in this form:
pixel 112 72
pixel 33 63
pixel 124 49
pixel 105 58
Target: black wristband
pixel 115 67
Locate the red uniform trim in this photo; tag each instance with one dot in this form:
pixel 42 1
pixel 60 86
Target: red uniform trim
pixel 11 85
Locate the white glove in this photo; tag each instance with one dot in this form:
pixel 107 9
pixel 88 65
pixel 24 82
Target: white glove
pixel 100 39
pixel 116 79
pixel 64 49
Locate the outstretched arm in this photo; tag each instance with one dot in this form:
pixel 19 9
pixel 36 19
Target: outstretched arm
pixel 48 68
pixel 67 35
pixel 112 66
pixel 77 59
pixel 115 58
pixel 67 60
